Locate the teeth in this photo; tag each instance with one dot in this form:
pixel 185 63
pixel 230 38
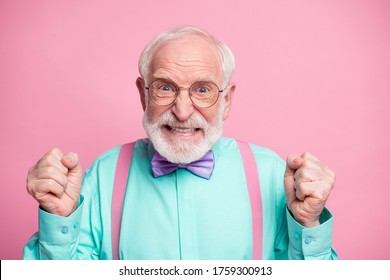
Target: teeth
pixel 183 130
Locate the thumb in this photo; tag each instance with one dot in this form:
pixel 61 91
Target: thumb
pixel 71 161
pixel 293 163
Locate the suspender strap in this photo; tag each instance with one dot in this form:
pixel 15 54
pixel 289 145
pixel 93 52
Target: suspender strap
pixel 118 194
pixel 252 178
pixel 253 183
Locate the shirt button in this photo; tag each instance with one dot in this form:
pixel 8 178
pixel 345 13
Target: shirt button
pixel 75 225
pixel 64 230
pixel 308 240
pixel 297 235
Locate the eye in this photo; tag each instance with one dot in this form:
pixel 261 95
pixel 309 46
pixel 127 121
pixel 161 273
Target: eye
pixel 165 88
pixel 201 88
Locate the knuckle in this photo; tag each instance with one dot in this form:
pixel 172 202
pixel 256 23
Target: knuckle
pixel 32 189
pixel 31 181
pixel 306 155
pixel 305 173
pixel 55 151
pixel 308 163
pixel 50 159
pixel 300 185
pixel 31 169
pixel 51 171
pixel 29 187
pixel 322 198
pixel 51 183
pixel 332 179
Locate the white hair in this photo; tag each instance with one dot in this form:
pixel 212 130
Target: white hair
pixel 226 55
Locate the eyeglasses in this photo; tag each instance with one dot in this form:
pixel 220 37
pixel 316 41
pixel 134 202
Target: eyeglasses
pixel 203 94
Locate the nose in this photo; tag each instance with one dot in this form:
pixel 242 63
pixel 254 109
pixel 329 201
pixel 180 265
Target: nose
pixel 183 107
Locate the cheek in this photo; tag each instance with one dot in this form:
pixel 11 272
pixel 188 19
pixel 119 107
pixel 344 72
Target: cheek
pixel 154 113
pixel 210 118
pixel 211 115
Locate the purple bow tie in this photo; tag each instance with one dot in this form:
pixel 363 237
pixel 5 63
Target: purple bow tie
pixel 202 167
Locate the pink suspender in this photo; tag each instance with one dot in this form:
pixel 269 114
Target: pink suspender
pixel 251 173
pixel 118 194
pixel 253 183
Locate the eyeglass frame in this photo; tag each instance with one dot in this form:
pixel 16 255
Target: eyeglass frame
pixel 188 90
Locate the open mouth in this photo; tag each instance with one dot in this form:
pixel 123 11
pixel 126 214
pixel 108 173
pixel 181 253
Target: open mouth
pixel 182 129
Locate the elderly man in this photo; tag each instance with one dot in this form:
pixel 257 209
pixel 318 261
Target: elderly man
pixel 188 193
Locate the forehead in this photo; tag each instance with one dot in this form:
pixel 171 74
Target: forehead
pixel 187 58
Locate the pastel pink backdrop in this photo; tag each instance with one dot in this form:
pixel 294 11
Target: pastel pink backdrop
pixel 311 76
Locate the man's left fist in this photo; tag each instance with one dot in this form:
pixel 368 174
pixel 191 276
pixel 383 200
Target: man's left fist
pixel 307 184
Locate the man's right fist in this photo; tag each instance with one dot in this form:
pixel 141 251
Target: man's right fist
pixel 55 182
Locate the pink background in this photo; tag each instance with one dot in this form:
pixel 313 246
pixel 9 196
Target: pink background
pixel 311 76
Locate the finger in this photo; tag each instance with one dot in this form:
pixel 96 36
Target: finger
pixel 43 187
pixel 312 189
pixel 303 189
pixel 294 162
pixel 71 161
pixel 289 177
pixel 306 173
pixel 312 162
pixel 310 158
pixel 312 170
pixel 56 152
pixel 49 173
pixel 307 155
pixel 300 193
pixel 53 159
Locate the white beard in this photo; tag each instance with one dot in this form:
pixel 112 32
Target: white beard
pixel 183 151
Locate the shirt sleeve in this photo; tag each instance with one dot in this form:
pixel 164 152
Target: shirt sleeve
pixel 311 243
pixel 57 237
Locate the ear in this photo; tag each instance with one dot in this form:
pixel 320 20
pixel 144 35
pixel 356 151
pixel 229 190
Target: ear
pixel 228 99
pixel 141 89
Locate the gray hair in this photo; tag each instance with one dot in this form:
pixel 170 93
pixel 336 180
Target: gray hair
pixel 226 55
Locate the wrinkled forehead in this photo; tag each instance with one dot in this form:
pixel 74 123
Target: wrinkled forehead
pixel 190 51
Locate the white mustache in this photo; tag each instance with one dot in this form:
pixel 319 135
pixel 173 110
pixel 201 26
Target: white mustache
pixel 195 121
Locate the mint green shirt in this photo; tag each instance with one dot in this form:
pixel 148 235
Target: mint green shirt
pixel 181 215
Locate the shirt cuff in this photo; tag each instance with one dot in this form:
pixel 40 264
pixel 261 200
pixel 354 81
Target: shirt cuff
pixel 58 230
pixel 310 243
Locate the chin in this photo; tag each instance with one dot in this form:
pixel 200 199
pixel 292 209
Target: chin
pixel 181 150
